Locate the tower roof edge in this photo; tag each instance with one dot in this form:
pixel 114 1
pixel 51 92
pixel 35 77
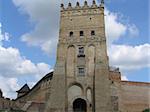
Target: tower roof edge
pixel 78 6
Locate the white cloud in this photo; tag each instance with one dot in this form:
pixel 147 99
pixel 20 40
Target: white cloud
pixel 4 36
pixel 116 29
pixel 13 65
pixel 46 16
pixel 133 30
pixel 130 57
pixel 123 77
pixel 9 86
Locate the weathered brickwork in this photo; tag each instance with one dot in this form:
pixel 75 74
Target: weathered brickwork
pixel 135 96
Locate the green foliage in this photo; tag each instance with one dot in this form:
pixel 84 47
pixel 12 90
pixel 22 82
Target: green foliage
pixel 146 110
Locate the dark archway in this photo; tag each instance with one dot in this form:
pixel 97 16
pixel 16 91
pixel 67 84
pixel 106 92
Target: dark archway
pixel 79 105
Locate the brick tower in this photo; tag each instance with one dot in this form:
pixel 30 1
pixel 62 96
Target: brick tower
pixel 81 75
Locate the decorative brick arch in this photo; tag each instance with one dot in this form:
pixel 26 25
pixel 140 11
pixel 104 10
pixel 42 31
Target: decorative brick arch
pixel 70 67
pixel 77 84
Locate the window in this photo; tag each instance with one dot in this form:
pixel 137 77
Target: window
pixel 71 34
pixel 81 71
pixel 92 33
pixel 81 33
pixel 81 50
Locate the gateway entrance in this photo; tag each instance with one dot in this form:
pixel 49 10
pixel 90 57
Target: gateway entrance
pixel 79 105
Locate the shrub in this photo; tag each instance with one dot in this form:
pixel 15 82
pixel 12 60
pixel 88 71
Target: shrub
pixel 146 110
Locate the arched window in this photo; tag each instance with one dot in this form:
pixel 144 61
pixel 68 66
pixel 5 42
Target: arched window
pixel 71 34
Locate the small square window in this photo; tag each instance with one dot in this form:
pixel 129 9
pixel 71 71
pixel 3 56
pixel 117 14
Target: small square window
pixel 81 33
pixel 92 33
pixel 81 50
pixel 81 71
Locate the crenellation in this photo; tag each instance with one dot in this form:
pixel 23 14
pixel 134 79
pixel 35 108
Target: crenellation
pixel 78 7
pixel 85 5
pixel 102 4
pixel 94 5
pixel 62 7
pixel 69 6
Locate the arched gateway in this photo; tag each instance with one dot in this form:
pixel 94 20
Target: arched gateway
pixel 79 105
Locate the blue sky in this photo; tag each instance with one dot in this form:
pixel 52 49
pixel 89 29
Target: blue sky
pixel 29 33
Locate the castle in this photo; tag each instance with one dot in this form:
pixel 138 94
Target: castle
pixel 82 80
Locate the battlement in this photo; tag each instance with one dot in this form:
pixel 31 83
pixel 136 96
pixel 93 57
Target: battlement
pixel 85 6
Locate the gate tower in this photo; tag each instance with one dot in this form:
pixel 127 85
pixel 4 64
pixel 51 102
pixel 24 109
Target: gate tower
pixel 81 74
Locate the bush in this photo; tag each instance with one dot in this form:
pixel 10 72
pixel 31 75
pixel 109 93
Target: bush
pixel 146 110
